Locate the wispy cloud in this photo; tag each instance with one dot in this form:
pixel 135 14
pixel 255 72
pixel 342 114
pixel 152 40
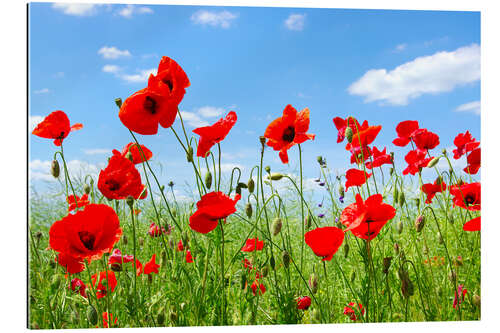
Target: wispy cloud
pixel 40 170
pixel 400 47
pixel 58 75
pixel 76 9
pixel 112 52
pixel 33 121
pixel 96 151
pixel 295 22
pixel 210 111
pixel 440 72
pixel 222 19
pixel 130 10
pixel 140 76
pixel 474 107
pixel 201 116
pixel 193 120
pixel 42 91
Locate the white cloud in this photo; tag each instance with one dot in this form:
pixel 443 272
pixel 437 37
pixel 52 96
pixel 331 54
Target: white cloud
pixel 223 19
pixel 141 76
pixel 40 170
pixel 129 10
pixel 33 121
pixel 225 167
pixel 97 151
pixel 401 47
pixel 440 72
pixel 295 22
pixel 42 91
pixel 210 111
pixel 201 116
pixel 112 52
pixel 111 69
pixel 192 119
pixel 474 107
pixel 76 9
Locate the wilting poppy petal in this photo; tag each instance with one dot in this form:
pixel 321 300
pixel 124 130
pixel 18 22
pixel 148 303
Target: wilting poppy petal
pixel 325 241
pixel 473 225
pixel 210 135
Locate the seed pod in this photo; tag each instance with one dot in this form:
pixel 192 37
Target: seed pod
pixel 401 198
pixel 125 239
pixel 248 210
pixel 433 162
pixel 160 319
pixel 346 250
pixel 320 159
pixel 476 300
pixel 407 288
pixel 450 218
pixel 341 191
pixel 251 185
pixel 116 267
pixel 129 156
pixel 395 195
pixel 118 102
pixel 286 259
pixel 396 248
pixel 313 283
pixel 348 134
pixel 208 179
pixel 386 264
pixel 91 315
pixel 399 227
pixel 267 168
pixel 243 280
pixel 419 223
pixel 162 188
pixel 272 262
pixel 262 140
pixel 316 315
pixel 265 271
pixel 277 224
pixel 130 201
pixel 54 169
pixel 308 221
pixel 417 202
pixel 38 236
pixel 276 176
pixel 173 316
pixel 86 189
pixel 189 154
pixel 238 190
pixel 353 276
pixel 174 212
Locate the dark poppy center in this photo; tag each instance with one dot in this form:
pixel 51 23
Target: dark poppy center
pixel 87 239
pixel 150 105
pixel 112 184
pixel 168 83
pixel 289 134
pixel 469 199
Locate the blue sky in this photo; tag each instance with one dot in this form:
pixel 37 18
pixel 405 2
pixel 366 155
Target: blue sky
pixel 383 66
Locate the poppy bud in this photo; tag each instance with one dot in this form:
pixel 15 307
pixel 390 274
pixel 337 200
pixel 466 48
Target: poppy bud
pixel 460 182
pixel 444 151
pixel 407 288
pixel 401 199
pixel 173 316
pixel 243 281
pixel 130 201
pixel 242 185
pixel 91 315
pixel 419 223
pixel 452 276
pixel 38 236
pixel 395 195
pixel 476 300
pixel 417 202
pixel 141 241
pixel 251 185
pixel 387 264
pixel 320 159
pixel 277 224
pixel 208 179
pixel 189 154
pixel 129 156
pixel 160 319
pixel 348 134
pixel 450 218
pixel 346 250
pixel 313 283
pixel 116 267
pixel 170 243
pixel 272 262
pixel 86 189
pixel 353 276
pixel 124 239
pixel 399 227
pixel 248 210
pixel 265 271
pixel 262 140
pixel 341 191
pixel 54 169
pixel 440 239
pixel 308 221
pixel 316 315
pixel 396 248
pixel 267 168
pixel 118 102
pixel 433 162
pixel 162 188
pixel 275 176
pixel 286 259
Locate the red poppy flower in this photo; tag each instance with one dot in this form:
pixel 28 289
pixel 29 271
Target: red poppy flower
pixel 210 135
pixel 155 230
pixel 82 202
pixel 353 310
pixel 465 143
pixel 78 286
pixel 158 103
pixel 290 129
pixel 473 225
pixel 425 140
pixel 431 189
pixel 105 319
pixel 303 303
pixel 405 130
pixel 416 161
pixel 180 246
pixel 120 179
pixel 355 177
pixel 151 266
pixel 116 257
pixel 189 257
pixel 325 241
pixel 101 289
pixel 356 156
pixel 253 244
pixel 247 264
pixel 365 136
pixel 366 219
pixel 71 264
pixel 467 196
pixel 341 125
pixel 55 126
pixel 473 162
pixel 261 287
pixel 460 297
pixel 212 207
pixel 87 234
pixel 379 158
pixel 136 152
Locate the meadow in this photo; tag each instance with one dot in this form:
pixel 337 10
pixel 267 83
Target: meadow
pixel 252 248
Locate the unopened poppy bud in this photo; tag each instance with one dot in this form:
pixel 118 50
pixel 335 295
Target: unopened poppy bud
pixel 118 102
pixel 401 199
pixel 348 134
pixel 395 195
pixel 450 218
pixel 124 239
pixel 433 162
pixel 386 264
pixel 91 315
pixel 129 156
pixel 276 176
pixel 242 185
pixel 346 250
pixel 417 202
pixel 452 276
pixel 38 236
pixel 208 179
pixel 130 201
pixel 238 190
pixel 440 239
pixel 476 300
pixel 54 169
pixel 173 316
pixel 251 185
pixel 160 319
pixel 444 151
pixel 353 276
pixel 86 189
pixel 262 140
pixel 313 283
pixel 419 223
pixel 141 241
pixel 341 191
pixel 407 288
pixel 308 221
pixel 174 212
pixel 439 180
pixel 396 248
pixel 267 168
pixel 248 210
pixel 116 267
pixel 286 259
pixel 399 227
pixel 162 188
pixel 265 271
pixel 189 154
pixel 460 182
pixel 272 262
pixel 316 315
pixel 320 159
pixel 277 224
pixel 243 281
